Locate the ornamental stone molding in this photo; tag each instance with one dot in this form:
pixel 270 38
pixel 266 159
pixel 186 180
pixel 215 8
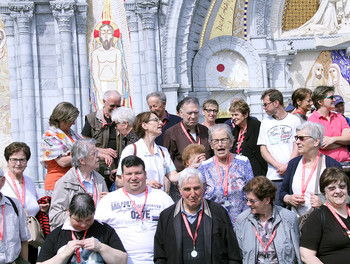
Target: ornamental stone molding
pixel 260 17
pixel 63 13
pixel 132 21
pixel 81 17
pixel 22 12
pixel 147 9
pixel 9 25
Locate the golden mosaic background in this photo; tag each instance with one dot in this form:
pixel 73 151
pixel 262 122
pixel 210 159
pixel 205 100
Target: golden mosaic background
pixel 297 12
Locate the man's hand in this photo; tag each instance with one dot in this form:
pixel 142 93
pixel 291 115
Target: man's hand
pixel 281 169
pixel 154 184
pixel 294 199
pixel 92 244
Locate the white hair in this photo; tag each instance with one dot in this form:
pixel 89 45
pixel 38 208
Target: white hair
pixel 190 173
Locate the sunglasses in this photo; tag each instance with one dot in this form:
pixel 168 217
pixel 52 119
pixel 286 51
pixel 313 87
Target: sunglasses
pixel 301 138
pixel 330 97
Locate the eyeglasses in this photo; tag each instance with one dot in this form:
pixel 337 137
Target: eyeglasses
pixel 332 188
pixel 266 104
pixel 211 111
pixel 250 200
pixel 332 97
pixel 156 119
pixel 14 161
pixel 95 153
pixel 222 140
pixel 301 138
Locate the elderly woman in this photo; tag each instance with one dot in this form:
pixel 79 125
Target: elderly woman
pixel 148 127
pixel 57 142
pixel 246 134
pixel 22 187
pixel 302 102
pixel 82 177
pixel 226 173
pixel 81 239
pixel 266 233
pixel 326 232
pixel 301 182
pixel 210 109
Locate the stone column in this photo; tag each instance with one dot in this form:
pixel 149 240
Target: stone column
pixel 83 67
pixel 22 13
pixel 63 11
pixel 12 66
pixel 147 10
pixel 135 53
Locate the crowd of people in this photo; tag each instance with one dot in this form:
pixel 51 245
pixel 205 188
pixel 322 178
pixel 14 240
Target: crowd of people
pixel 163 188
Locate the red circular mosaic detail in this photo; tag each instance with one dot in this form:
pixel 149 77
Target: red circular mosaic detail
pixel 220 68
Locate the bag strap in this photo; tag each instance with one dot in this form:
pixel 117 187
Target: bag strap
pixel 13 205
pixel 318 173
pixel 135 149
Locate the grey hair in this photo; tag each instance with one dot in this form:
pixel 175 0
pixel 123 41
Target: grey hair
pixel 315 130
pixel 109 93
pixel 160 95
pixel 190 173
pixel 217 127
pixel 2 174
pixel 189 100
pixel 123 114
pixel 80 150
pixel 81 206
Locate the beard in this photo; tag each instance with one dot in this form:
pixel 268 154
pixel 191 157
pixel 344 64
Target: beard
pixel 107 44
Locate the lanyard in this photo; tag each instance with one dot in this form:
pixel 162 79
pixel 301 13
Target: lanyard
pixel 134 204
pixel 303 183
pixel 241 137
pixel 338 218
pixel 270 240
pixel 189 229
pixel 3 221
pixel 298 111
pixel 165 120
pixel 77 251
pixel 225 183
pixel 188 136
pixel 21 198
pixel 95 189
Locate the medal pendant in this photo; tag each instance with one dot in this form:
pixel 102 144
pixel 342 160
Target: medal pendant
pixel 227 203
pixel 194 253
pixel 2 247
pixel 143 227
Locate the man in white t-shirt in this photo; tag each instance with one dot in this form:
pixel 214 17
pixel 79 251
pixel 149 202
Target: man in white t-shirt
pixel 276 136
pixel 133 211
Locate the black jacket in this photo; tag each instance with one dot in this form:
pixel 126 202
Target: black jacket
pixel 220 241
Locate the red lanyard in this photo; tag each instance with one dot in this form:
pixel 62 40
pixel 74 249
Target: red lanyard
pixel 21 198
pixel 3 221
pixel 338 218
pixel 303 183
pixel 225 183
pixel 189 229
pixel 77 251
pixel 134 204
pixel 298 111
pixel 241 137
pixel 188 136
pixel 270 240
pixel 95 189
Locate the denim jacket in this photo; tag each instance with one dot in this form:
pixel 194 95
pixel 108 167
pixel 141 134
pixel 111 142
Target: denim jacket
pixel 286 241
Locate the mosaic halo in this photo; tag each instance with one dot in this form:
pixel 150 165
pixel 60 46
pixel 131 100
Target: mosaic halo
pixel 116 33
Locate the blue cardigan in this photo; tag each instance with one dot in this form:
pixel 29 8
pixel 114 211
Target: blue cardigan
pixel 287 183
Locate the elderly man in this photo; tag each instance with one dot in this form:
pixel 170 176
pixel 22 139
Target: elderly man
pixel 276 137
pixel 337 130
pixel 99 126
pixel 156 102
pixel 82 177
pixel 179 136
pixel 133 211
pixel 14 231
pixel 195 230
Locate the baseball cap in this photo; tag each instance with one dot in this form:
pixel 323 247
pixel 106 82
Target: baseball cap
pixel 338 99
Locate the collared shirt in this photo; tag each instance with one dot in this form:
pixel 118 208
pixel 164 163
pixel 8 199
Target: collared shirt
pixel 265 234
pixel 15 230
pixel 333 128
pixel 130 138
pixel 89 185
pixel 190 218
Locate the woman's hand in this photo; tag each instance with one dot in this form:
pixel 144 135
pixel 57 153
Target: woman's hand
pixel 294 199
pixel 71 247
pixel 92 244
pixel 101 195
pixel 154 184
pixel 315 200
pixel 197 160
